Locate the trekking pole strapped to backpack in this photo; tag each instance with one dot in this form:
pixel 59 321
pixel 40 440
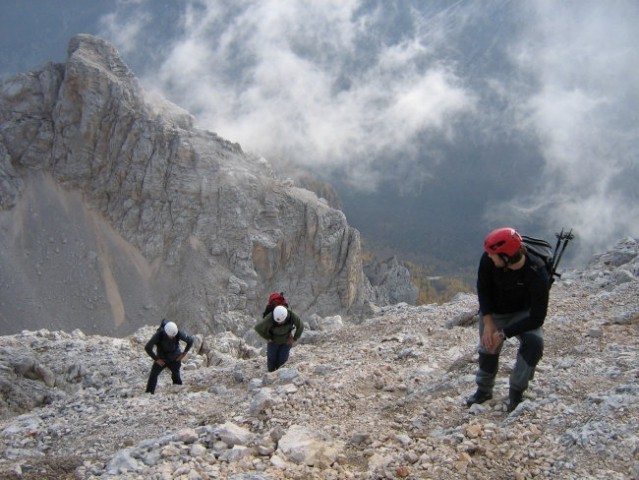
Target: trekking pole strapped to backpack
pixel 562 242
pixel 544 251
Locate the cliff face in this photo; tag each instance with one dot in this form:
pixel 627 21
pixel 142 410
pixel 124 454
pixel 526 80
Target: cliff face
pixel 117 211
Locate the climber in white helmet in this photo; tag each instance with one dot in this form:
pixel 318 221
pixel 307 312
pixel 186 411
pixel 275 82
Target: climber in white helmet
pixel 281 328
pixel 168 354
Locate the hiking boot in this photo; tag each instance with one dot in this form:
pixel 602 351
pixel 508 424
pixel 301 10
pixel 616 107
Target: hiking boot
pixel 514 399
pixel 478 397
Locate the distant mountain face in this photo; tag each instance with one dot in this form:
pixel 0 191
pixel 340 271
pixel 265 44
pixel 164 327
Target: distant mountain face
pixel 117 212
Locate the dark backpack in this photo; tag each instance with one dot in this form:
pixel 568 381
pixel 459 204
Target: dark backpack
pixel 274 300
pixel 543 251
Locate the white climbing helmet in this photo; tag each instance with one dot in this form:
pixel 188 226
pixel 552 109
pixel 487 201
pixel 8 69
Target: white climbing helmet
pixel 171 329
pixel 280 313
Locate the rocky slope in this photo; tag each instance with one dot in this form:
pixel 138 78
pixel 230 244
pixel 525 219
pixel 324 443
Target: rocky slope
pixel 115 210
pixel 379 400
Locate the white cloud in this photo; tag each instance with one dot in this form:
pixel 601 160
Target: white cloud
pixel 283 79
pixel 583 57
pixel 124 33
pixel 426 102
pixel 330 85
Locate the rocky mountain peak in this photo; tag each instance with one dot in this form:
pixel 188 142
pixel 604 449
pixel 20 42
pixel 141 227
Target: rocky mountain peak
pixel 117 211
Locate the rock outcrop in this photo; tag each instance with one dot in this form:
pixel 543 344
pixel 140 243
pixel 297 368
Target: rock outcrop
pixel 384 399
pixel 117 211
pixel 391 283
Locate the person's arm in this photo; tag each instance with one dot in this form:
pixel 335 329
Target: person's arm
pixel 150 344
pixel 538 290
pixel 299 326
pixel 485 292
pixel 263 327
pixel 186 338
pixel 485 285
pixel 189 343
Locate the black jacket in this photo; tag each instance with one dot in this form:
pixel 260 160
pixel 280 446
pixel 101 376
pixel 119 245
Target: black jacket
pixel 501 290
pixel 168 349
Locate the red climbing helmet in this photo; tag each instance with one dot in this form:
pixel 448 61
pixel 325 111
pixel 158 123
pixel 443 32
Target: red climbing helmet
pixel 503 240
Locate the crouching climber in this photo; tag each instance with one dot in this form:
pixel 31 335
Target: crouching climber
pixel 512 287
pixel 168 354
pixel 281 328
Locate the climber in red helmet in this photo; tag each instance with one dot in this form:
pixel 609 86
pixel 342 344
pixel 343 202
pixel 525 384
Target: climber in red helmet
pixel 512 289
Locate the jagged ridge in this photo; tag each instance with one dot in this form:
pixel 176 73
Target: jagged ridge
pixel 118 211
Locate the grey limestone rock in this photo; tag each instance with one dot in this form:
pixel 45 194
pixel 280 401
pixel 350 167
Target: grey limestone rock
pixel 390 281
pixel 117 211
pixel 381 399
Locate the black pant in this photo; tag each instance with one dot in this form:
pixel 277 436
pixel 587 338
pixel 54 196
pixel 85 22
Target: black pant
pixel 157 369
pixel 276 355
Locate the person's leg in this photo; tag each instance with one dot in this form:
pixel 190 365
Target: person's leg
pixel 486 371
pixel 153 377
pixel 488 366
pixel 530 351
pixel 272 350
pixel 175 372
pixel 282 354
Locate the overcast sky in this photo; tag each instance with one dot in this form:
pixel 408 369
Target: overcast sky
pixel 346 84
pixel 290 79
pixel 585 111
pixel 362 87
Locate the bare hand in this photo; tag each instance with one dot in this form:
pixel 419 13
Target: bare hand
pixel 497 341
pixel 291 341
pixel 490 338
pixel 487 338
pixel 180 357
pixel 160 362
